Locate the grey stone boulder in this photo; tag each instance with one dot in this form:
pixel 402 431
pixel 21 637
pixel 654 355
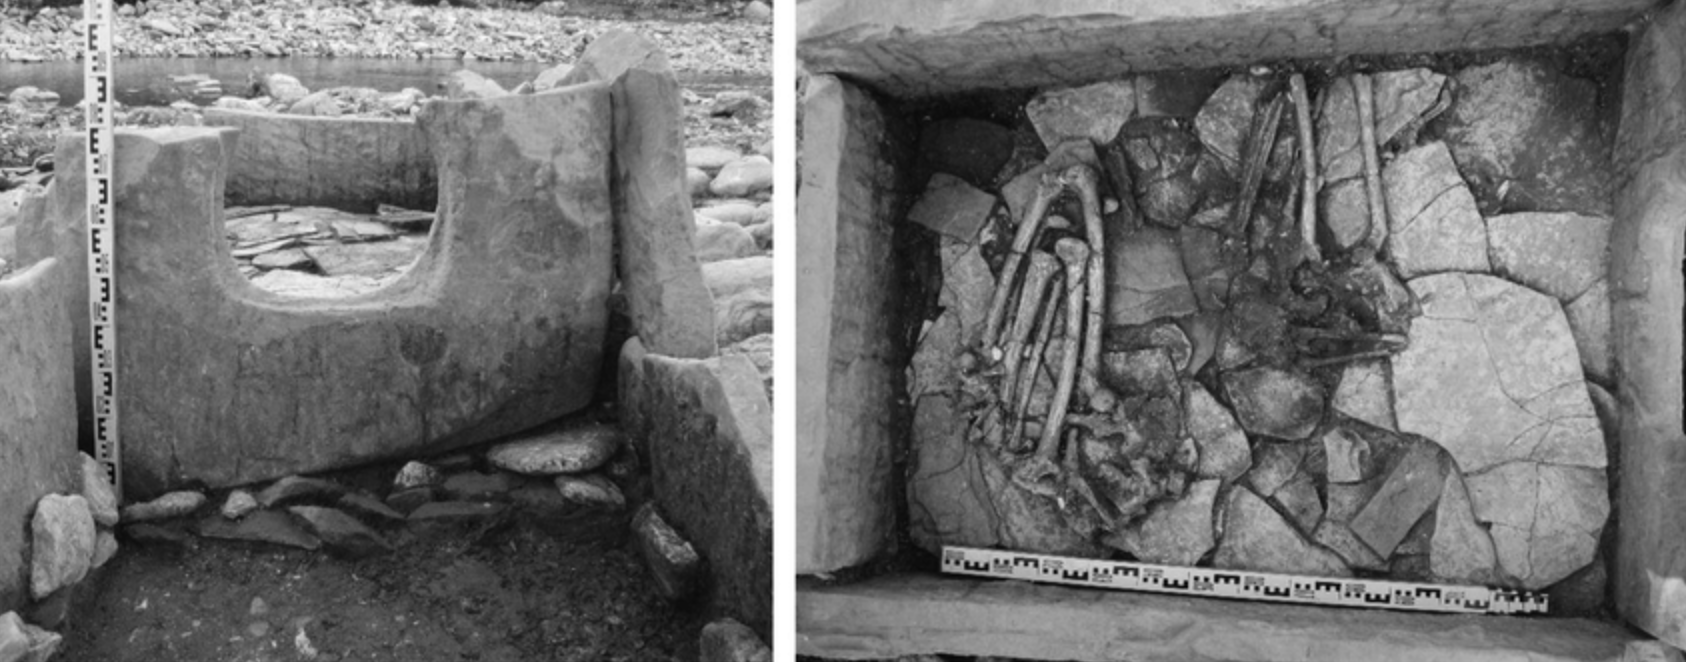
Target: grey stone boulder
pixel 105 548
pixel 1257 538
pixel 466 84
pixel 283 88
pixel 1176 532
pixel 710 158
pixel 550 78
pixel 742 296
pixel 1434 225
pixel 591 491
pixel 724 241
pixel 1093 112
pixel 62 536
pixel 1275 402
pixel 102 499
pixel 1492 374
pixel 571 450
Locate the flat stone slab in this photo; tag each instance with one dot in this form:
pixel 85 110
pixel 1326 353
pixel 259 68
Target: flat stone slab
pixel 265 526
pixel 1434 225
pixel 1145 279
pixel 333 162
pixel 952 207
pixel 914 614
pixel 1562 255
pixel 1545 519
pixel 576 449
pixel 1256 537
pixel 1092 112
pixel 1492 375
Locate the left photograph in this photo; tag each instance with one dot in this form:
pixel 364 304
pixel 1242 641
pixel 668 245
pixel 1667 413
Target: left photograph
pixel 333 330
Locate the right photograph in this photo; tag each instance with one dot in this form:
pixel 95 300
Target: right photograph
pixel 1292 330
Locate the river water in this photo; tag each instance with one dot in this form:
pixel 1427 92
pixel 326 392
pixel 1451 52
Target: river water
pixel 146 81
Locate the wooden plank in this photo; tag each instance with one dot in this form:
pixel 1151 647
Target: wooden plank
pixel 1647 303
pixel 846 297
pixel 917 49
pixel 915 614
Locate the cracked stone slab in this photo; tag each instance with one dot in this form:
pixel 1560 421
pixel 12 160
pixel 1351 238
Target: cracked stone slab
pixel 1401 98
pixel 1561 254
pixel 1435 225
pixel 1409 491
pixel 1257 538
pixel 1492 375
pixel 1589 321
pixel 1175 532
pixel 952 207
pixel 1226 118
pixel 1148 281
pixel 1459 549
pixel 1275 402
pixel 967 286
pixel 1094 112
pixel 1224 452
pixel 1545 519
pixel 1365 392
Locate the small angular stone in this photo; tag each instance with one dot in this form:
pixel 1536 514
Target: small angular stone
pixel 341 533
pixel 1176 532
pixel 1336 536
pixel 591 491
pixel 1139 371
pixel 417 474
pixel 1274 464
pixel 266 526
pixel 570 451
pixel 102 500
pixel 368 508
pixel 408 500
pixel 105 547
pixel 1299 501
pixel 239 503
pixel 1275 402
pixel 62 536
pixel 952 207
pixel 298 489
pixel 674 563
pixel 1093 112
pixel 727 640
pixel 174 504
pixel 1365 392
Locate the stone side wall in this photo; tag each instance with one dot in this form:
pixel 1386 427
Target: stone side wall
pixel 1647 298
pixel 37 407
pixel 925 48
pixel 846 299
pixel 349 163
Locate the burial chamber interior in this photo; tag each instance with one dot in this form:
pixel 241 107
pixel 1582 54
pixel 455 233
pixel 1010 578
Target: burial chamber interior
pixel 1263 393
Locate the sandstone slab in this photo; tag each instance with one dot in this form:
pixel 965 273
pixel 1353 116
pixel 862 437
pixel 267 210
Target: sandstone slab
pixel 1560 254
pixel 1409 491
pixel 341 533
pixel 1434 224
pixel 570 450
pixel 299 489
pixel 1492 375
pixel 1257 538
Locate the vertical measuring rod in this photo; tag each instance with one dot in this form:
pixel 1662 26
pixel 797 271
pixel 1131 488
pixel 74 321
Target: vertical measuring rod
pixel 99 22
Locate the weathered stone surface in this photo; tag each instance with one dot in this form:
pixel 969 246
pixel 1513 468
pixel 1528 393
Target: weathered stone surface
pixel 591 491
pixel 105 548
pixel 1299 502
pixel 1492 375
pixel 1545 519
pixel 710 158
pixel 973 150
pixel 723 241
pixel 572 449
pixel 743 297
pixel 1257 538
pixel 746 176
pixel 1145 278
pixel 1176 532
pixel 14 641
pixel 952 207
pixel 1210 263
pixel 1368 290
pixel 1092 112
pixel 727 640
pixel 669 306
pixel 360 373
pixel 1365 392
pixel 696 182
pixel 299 489
pixel 266 526
pixel 416 474
pixel 1409 491
pixel 1274 465
pixel 102 499
pixel 1343 214
pixel 674 563
pixel 1224 121
pixel 1522 127
pixel 1138 371
pixel 1589 322
pixel 1461 550
pixel 1223 445
pixel 1434 225
pixel 341 533
pixel 1339 538
pixel 62 542
pixel 331 162
pixel 173 504
pixel 1275 402
pixel 733 211
pixel 1173 175
pixel 706 426
pixel 1560 254
pixel 376 259
pixel 1401 98
pixel 238 504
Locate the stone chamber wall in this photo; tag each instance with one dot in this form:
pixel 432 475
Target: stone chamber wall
pixel 1281 455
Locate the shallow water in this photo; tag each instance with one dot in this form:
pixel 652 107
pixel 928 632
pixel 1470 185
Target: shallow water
pixel 146 81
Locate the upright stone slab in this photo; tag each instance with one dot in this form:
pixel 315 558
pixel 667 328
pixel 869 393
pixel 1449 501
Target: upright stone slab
pixel 1646 296
pixel 37 411
pixel 706 426
pixel 497 327
pixel 348 163
pixel 846 297
pixel 670 308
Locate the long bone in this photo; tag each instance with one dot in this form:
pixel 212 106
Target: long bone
pixel 1033 297
pixel 1027 378
pixel 1075 256
pixel 1047 188
pixel 1085 181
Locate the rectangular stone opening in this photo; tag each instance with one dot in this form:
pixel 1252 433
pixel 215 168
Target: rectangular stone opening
pixel 1418 385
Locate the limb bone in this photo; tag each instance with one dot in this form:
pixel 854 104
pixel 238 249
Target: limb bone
pixel 1084 180
pixel 1047 189
pixel 1033 297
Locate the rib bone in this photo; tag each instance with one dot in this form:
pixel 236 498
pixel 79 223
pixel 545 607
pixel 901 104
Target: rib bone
pixel 1033 297
pixel 1027 379
pixel 1047 189
pixel 1075 255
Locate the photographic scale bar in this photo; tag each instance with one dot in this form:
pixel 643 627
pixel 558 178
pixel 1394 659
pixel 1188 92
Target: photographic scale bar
pixel 97 59
pixel 1240 584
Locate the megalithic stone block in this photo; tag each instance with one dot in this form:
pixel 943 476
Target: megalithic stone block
pixel 37 412
pixel 498 326
pixel 671 308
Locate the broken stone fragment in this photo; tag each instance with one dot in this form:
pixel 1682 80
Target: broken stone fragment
pixel 1545 519
pixel 290 490
pixel 973 150
pixel 1365 392
pixel 727 640
pixel 1176 532
pixel 477 486
pixel 1275 402
pixel 1589 322
pixel 173 504
pixel 1222 445
pixel 1138 371
pixel 342 534
pixel 1173 175
pixel 1298 499
pixel 952 207
pixel 743 297
pixel 266 526
pixel 416 474
pixel 572 450
pixel 1274 465
pixel 1227 117
pixel 62 536
pixel 105 547
pixel 466 84
pixel 1402 98
pixel 1409 491
pixel 1339 538
pixel 674 563
pixel 1210 262
pixel 1355 451
pixel 1093 112
pixel 1434 225
pixel 1148 281
pixel 102 500
pixel 1461 550
pixel 1343 213
pixel 23 642
pixel 591 491
pixel 1560 254
pixel 1492 375
pixel 238 504
pixel 1257 538
pixel 1163 334
pixel 1252 330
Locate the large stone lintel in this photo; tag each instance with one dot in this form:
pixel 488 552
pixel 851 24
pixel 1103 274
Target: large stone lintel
pixel 906 615
pixel 917 49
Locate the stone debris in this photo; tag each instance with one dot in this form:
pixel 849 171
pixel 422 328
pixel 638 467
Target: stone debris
pixel 727 640
pixel 1148 282
pixel 273 527
pixel 171 505
pixel 1545 519
pixel 1257 538
pixel 417 474
pixel 1175 532
pixel 952 207
pixel 96 489
pixel 407 500
pixel 341 533
pixel 23 642
pixel 238 504
pixel 62 537
pixel 1093 112
pixel 291 490
pixel 1274 402
pixel 676 566
pixel 591 491
pixel 572 450
pixel 369 509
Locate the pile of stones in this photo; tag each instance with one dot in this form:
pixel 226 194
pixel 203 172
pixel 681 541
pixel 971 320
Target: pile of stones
pixel 69 538
pixel 1385 356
